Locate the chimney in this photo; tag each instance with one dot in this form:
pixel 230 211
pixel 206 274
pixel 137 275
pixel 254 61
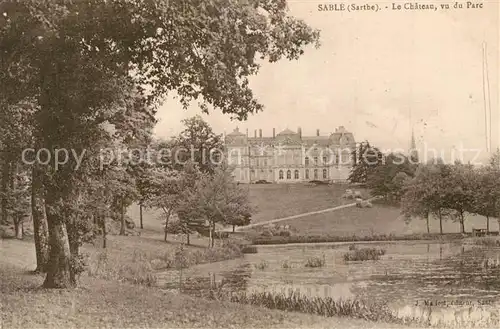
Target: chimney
pixel 317 132
pixel 255 133
pixel 299 131
pixel 274 132
pixel 260 133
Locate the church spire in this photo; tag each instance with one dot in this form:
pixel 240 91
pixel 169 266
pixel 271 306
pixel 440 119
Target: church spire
pixel 413 148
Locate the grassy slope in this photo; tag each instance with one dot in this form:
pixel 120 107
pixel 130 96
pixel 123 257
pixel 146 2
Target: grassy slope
pixel 270 201
pixel 281 200
pixel 380 219
pixel 110 304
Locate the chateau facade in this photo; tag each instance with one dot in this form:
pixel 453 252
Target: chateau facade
pixel 289 157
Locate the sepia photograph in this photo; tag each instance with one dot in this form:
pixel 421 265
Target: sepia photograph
pixel 249 164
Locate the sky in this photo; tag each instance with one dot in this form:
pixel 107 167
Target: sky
pixel 380 75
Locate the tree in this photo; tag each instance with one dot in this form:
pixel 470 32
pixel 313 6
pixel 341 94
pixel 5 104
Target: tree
pixel 197 143
pixel 81 59
pixel 189 217
pixel 387 178
pixel 366 159
pixel 218 198
pixel 168 191
pixel 425 193
pixel 486 192
pixel 419 196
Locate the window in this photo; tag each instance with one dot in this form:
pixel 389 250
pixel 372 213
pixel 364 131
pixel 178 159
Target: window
pixel 325 174
pixel 281 174
pixel 296 174
pixel 325 160
pixel 288 174
pixel 307 173
pixel 316 160
pixel 315 173
pixel 307 161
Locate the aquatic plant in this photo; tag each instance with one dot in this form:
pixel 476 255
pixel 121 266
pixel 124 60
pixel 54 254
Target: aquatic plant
pixel 488 242
pixel 324 306
pixel 364 254
pixel 315 261
pixel 262 265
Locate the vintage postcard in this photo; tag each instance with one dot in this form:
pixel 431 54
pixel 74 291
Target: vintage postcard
pixel 249 164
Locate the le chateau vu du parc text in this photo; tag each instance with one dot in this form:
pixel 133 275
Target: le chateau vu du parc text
pixel 396 6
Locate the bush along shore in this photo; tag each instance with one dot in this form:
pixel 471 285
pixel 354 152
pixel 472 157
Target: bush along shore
pixel 268 240
pixel 141 268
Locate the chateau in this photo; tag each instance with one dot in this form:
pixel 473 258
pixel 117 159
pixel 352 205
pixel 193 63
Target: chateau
pixel 289 157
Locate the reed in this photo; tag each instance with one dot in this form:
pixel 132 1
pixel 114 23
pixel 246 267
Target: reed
pixel 323 306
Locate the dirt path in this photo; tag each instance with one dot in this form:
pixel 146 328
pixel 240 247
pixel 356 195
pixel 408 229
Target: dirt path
pixel 277 220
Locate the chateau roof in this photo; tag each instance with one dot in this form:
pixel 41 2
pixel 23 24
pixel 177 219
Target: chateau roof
pixel 319 140
pixel 236 132
pixel 287 132
pixel 349 138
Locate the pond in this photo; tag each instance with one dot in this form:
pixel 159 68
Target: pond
pixel 412 277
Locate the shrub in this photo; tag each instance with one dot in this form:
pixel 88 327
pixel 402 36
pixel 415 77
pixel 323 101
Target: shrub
pixel 352 247
pixel 315 261
pixel 327 238
pixel 488 242
pixel 262 265
pixel 285 264
pixel 185 258
pixel 364 254
pixel 249 249
pixel 139 271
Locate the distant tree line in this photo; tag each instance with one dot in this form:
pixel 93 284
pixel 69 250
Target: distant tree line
pixel 432 189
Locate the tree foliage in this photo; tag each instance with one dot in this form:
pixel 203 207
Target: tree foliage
pixel 366 159
pixel 88 65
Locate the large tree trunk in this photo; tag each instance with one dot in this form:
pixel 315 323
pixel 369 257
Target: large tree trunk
pixel 122 219
pixel 59 267
pixel 41 233
pixel 427 222
pixel 234 226
pixel 188 242
pixel 102 221
pixel 74 245
pixel 18 226
pixel 140 218
pixel 462 224
pixel 167 217
pixel 212 228
pixel 210 237
pixel 4 187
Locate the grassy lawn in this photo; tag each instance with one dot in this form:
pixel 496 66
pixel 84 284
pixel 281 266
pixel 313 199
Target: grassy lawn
pixel 271 201
pixel 100 303
pixel 381 219
pixel 282 200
